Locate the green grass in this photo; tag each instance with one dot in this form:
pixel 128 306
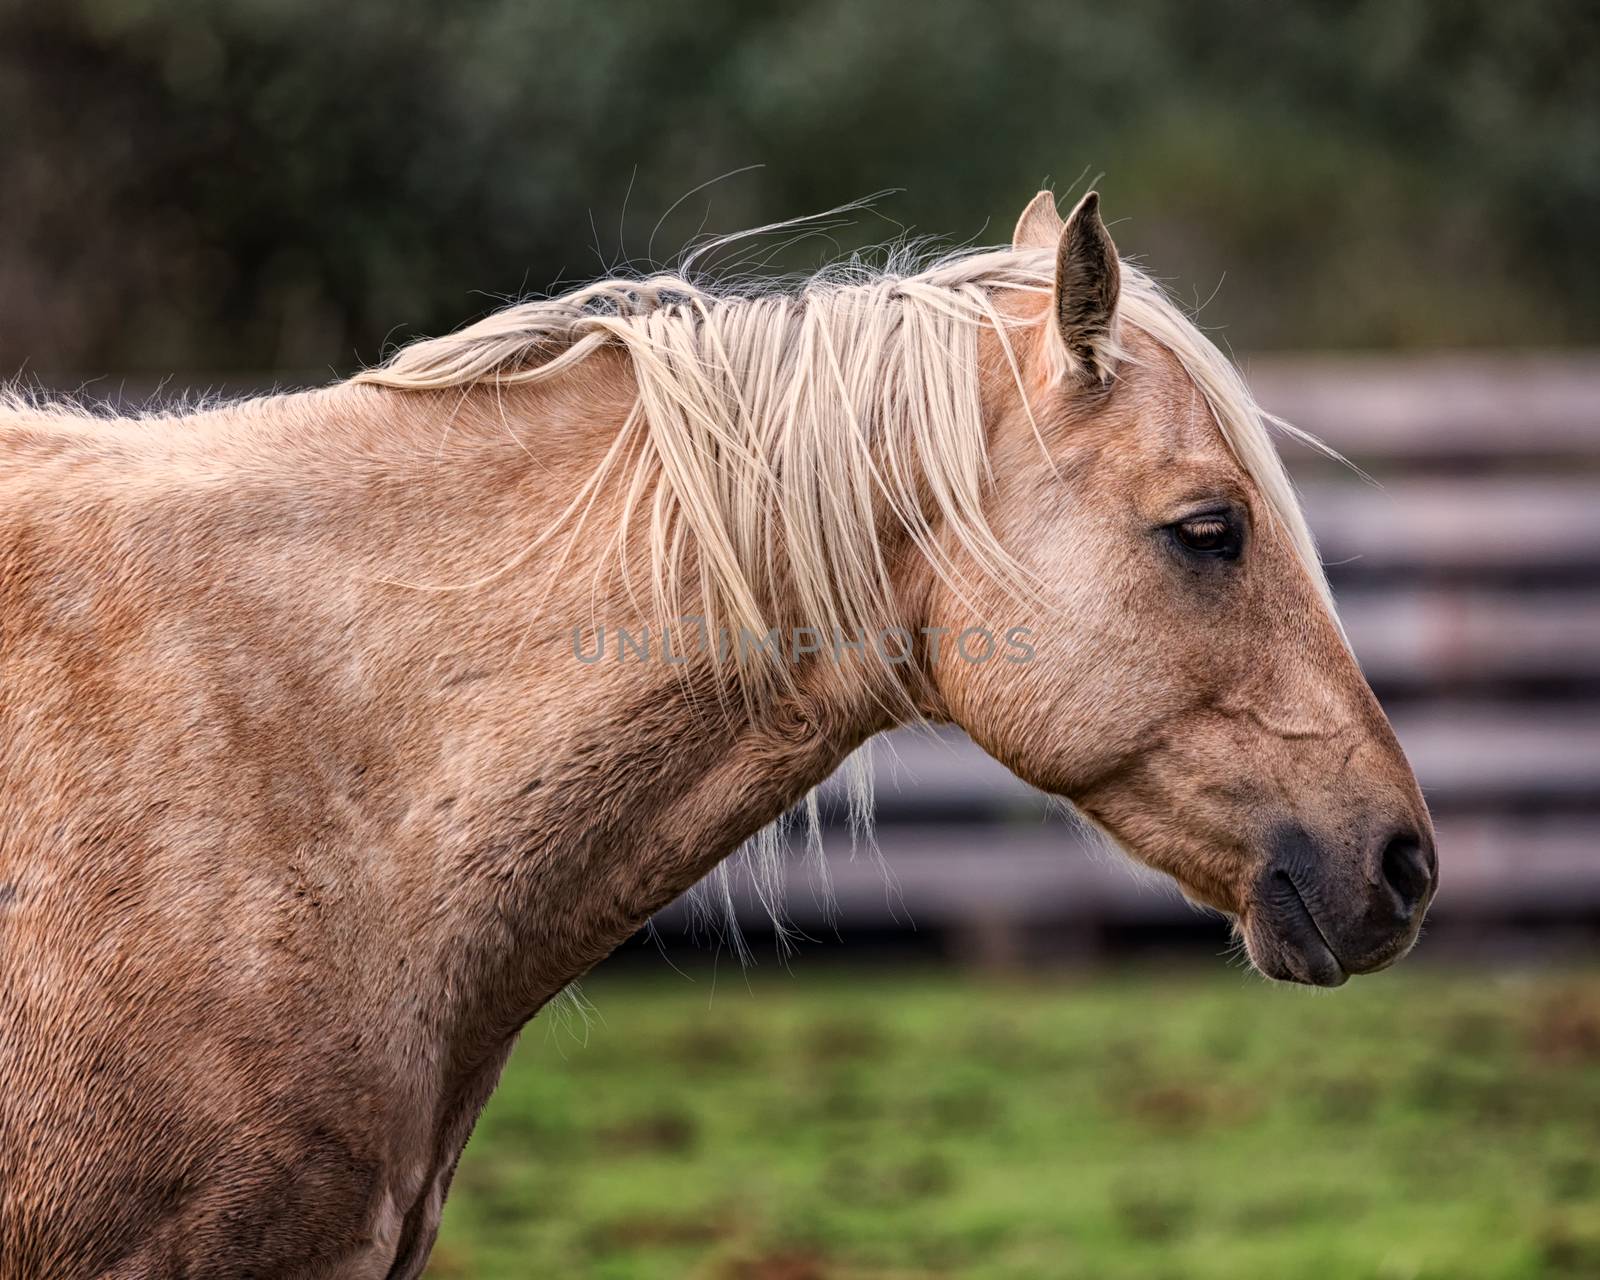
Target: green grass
pixel 1417 1124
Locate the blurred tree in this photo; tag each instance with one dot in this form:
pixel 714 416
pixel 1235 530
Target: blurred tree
pixel 285 184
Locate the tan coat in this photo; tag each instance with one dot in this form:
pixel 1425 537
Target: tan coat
pixel 294 839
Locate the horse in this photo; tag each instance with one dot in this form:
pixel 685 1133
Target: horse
pixel 313 790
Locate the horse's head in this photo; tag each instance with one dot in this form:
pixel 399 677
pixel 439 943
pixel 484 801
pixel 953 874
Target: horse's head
pixel 1188 687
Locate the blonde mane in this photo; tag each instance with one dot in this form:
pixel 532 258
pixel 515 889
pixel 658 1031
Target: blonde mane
pixel 774 431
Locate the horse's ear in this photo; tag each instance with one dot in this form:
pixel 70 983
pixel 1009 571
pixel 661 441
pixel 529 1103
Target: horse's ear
pixel 1088 281
pixel 1040 225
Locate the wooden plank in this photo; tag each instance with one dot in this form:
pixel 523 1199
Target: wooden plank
pixel 1459 524
pixel 1424 406
pixel 1450 637
pixel 938 877
pixel 1443 405
pixel 1486 405
pixel 1464 755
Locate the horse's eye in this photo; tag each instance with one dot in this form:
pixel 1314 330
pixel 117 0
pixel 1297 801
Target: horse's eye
pixel 1208 535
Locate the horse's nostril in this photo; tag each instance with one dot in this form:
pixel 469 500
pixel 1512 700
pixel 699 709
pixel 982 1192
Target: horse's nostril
pixel 1408 869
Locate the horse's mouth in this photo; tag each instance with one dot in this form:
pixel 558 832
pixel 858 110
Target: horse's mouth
pixel 1284 939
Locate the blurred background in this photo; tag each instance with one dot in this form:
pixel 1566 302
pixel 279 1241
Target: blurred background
pixel 1005 1055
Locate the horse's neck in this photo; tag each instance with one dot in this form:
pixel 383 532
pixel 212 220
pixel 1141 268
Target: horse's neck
pixel 543 807
pixel 631 801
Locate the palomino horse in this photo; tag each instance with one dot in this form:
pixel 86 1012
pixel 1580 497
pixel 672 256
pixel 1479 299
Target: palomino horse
pixel 309 799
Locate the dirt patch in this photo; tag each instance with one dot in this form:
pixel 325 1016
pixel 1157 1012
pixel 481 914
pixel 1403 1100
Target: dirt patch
pixel 843 1040
pixel 670 1131
pixel 1186 1107
pixel 645 1231
pixel 1565 1027
pixel 708 1048
pixel 797 1264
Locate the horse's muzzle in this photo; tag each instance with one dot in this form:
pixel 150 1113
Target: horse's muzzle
pixel 1317 915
